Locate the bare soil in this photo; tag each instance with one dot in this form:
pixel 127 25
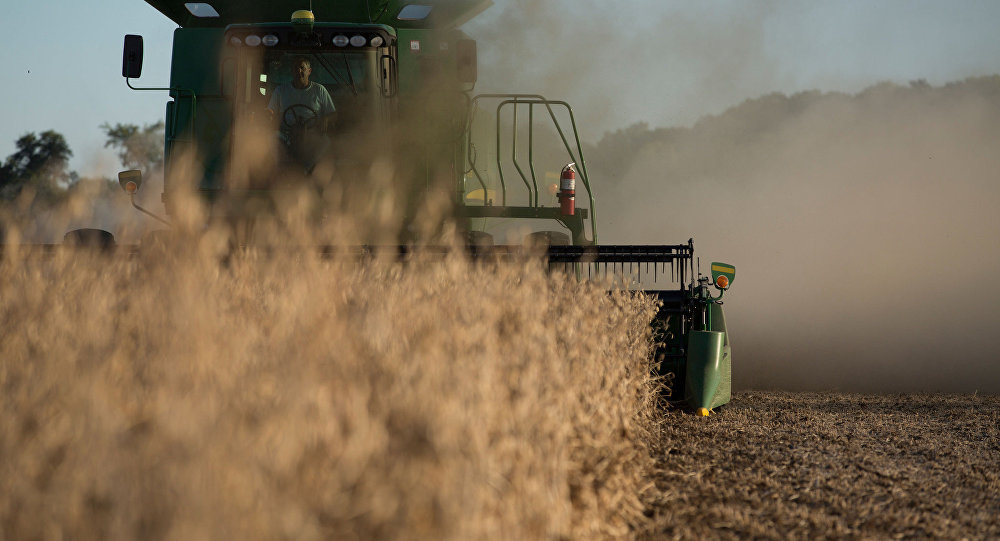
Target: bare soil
pixel 816 465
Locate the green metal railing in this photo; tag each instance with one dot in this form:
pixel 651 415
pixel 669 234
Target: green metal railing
pixel 514 101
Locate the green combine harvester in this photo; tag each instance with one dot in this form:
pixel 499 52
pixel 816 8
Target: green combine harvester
pixel 400 78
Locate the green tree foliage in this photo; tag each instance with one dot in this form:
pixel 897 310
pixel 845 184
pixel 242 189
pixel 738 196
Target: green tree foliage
pixel 39 163
pixel 138 148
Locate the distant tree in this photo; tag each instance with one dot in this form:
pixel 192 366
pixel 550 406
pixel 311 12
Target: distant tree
pixel 39 163
pixel 138 148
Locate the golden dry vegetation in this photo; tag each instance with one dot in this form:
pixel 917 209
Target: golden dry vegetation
pixel 176 395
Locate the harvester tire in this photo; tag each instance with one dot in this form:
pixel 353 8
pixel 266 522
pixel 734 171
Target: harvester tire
pixel 544 239
pixel 90 238
pixel 539 241
pixel 479 239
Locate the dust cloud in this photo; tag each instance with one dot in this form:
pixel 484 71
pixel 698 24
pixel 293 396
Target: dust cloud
pixel 618 63
pixel 861 224
pixel 863 228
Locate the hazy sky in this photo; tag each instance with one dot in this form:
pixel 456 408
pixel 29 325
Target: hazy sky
pixel 664 61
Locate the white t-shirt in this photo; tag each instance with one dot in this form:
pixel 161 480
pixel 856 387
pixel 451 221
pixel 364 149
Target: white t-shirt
pixel 313 96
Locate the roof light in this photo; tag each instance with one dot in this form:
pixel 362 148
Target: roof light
pixel 377 41
pixel 340 40
pixel 358 41
pixel 236 41
pixel 414 12
pixel 252 40
pixel 303 16
pixel 269 40
pixel 201 9
pixel 303 20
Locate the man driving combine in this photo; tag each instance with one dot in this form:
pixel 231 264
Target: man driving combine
pixel 303 100
pixel 306 113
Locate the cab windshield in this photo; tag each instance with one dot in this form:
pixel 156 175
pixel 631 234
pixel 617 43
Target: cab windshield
pixel 350 78
pixel 312 106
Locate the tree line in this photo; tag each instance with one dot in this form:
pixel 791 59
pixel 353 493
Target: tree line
pixel 701 146
pixel 39 166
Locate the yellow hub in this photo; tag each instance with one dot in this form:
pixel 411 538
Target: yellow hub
pixel 702 412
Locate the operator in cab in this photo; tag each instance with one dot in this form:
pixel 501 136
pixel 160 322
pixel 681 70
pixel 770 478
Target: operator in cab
pixel 305 113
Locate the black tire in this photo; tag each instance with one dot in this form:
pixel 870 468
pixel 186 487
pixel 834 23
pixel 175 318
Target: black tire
pixel 90 238
pixel 539 241
pixel 479 244
pixel 544 239
pixel 479 239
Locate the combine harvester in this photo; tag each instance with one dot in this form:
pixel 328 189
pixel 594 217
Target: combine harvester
pixel 400 76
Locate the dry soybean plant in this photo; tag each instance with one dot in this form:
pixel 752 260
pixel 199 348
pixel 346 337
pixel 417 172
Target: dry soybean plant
pixel 171 394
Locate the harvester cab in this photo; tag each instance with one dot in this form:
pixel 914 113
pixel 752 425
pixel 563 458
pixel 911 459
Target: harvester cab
pixel 267 96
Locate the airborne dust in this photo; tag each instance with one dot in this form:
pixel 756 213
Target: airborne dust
pixel 862 224
pixel 862 227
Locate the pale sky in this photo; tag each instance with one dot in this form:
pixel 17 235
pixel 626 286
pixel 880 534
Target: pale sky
pixel 663 61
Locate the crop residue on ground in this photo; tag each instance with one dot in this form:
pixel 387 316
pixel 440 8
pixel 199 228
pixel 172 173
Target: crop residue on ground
pixel 818 465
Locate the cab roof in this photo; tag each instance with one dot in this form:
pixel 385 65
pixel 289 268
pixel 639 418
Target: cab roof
pixel 395 13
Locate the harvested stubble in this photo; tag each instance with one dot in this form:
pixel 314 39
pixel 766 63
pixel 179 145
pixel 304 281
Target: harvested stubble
pixel 832 465
pixel 292 397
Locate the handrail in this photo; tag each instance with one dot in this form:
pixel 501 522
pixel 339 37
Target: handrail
pixel 531 150
pixel 513 155
pixel 531 100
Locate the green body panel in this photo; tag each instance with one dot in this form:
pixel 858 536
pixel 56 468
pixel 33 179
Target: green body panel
pixel 435 55
pixel 195 59
pixel 199 118
pixel 701 381
pixel 708 371
pixel 443 14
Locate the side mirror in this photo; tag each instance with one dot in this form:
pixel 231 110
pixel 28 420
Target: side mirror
pixel 130 180
pixel 466 60
pixel 132 57
pixel 723 275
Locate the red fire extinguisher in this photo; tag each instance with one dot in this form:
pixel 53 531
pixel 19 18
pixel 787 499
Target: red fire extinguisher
pixel 567 190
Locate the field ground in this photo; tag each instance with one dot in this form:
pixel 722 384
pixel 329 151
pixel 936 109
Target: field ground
pixel 808 465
